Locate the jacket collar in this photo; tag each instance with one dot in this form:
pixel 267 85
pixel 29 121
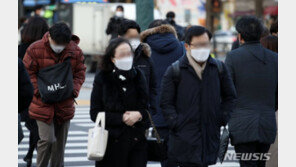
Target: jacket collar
pixel 256 49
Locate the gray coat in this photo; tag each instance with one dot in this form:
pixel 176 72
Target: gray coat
pixel 254 71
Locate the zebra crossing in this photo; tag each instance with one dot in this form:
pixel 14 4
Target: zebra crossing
pixel 76 147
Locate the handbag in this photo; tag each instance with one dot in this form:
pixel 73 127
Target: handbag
pixel 224 141
pixel 157 148
pixel 97 139
pixel 55 83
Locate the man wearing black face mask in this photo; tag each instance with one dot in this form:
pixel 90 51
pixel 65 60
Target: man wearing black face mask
pixel 53 119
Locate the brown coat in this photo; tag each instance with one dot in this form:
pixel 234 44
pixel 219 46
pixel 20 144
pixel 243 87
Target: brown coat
pixel 39 55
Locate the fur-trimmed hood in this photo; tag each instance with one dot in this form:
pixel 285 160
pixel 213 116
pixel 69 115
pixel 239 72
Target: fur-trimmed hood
pixel 158 30
pixel 146 49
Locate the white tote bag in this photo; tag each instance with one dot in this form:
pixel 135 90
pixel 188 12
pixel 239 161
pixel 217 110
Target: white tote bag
pixel 97 139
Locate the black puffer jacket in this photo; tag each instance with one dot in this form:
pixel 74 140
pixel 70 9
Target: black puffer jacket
pixel 108 96
pixel 143 61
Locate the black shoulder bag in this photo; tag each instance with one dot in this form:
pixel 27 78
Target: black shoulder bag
pixel 55 83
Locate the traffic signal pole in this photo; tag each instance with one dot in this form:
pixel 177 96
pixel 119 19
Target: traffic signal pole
pixel 144 13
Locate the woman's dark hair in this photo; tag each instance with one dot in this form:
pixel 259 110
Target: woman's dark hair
pixel 128 24
pixel 157 23
pixel 274 27
pixel 196 31
pixel 60 33
pixel 250 28
pixel 34 30
pixel 270 42
pixel 107 64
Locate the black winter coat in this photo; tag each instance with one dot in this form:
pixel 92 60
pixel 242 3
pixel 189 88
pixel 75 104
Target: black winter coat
pixel 25 88
pixel 108 96
pixel 143 61
pixel 113 26
pixel 22 48
pixel 195 110
pixel 254 71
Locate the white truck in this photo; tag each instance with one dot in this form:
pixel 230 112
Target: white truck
pixel 89 23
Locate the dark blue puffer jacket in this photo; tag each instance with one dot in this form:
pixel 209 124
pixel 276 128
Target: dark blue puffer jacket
pixel 165 49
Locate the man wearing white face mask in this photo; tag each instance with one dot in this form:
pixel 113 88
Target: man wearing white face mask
pixel 53 119
pixel 196 99
pixel 115 22
pixel 130 30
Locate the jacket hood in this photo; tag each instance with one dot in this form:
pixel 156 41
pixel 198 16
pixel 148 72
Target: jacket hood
pixel 162 39
pixel 74 38
pixel 146 49
pixel 158 30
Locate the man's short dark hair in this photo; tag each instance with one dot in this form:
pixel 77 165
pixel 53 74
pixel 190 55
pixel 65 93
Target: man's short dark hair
pixel 274 27
pixel 38 7
pixel 120 7
pixel 128 24
pixel 170 14
pixel 60 33
pixel 196 31
pixel 250 28
pixel 157 23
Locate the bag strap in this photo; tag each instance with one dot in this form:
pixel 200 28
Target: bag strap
pixel 100 119
pixel 154 128
pixel 219 65
pixel 176 71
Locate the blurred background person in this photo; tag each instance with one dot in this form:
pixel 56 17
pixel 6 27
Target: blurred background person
pixel 252 124
pixel 165 49
pixel 130 30
pixel 170 18
pixel 120 90
pixel 33 31
pixel 38 11
pixel 115 22
pixel 274 28
pixel 271 42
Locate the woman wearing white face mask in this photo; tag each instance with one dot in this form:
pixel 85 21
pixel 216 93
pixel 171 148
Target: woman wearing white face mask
pixel 120 91
pixel 114 24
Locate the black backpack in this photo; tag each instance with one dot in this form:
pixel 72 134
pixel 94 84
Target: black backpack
pixel 176 70
pixel 55 83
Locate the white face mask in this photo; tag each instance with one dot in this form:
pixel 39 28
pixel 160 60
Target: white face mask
pixel 124 64
pixel 200 55
pixel 119 13
pixel 57 48
pixel 135 43
pixel 42 13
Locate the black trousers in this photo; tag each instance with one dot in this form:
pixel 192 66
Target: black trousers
pixel 164 134
pixel 125 152
pixel 33 138
pixel 252 147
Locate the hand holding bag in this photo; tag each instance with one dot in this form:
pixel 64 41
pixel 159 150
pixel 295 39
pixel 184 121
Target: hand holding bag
pixel 224 141
pixel 157 148
pixel 97 139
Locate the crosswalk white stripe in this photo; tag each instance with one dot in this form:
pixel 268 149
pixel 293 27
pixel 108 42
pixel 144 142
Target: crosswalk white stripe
pixel 67 151
pixel 68 145
pixel 26 132
pixel 66 159
pixel 86 124
pixel 81 120
pixel 69 138
pixel 82 116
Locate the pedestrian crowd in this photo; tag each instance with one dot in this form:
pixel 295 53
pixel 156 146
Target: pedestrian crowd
pixel 162 77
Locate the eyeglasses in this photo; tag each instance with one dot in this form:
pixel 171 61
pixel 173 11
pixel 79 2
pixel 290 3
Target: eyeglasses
pixel 201 45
